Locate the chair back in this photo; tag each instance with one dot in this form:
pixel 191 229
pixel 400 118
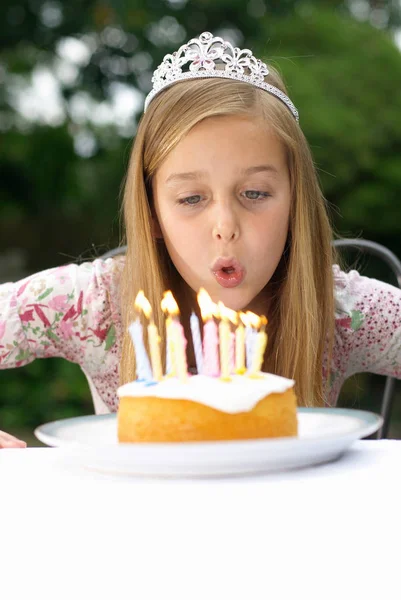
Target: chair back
pixel 114 252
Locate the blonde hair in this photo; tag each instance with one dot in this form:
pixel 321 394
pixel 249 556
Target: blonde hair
pixel 301 315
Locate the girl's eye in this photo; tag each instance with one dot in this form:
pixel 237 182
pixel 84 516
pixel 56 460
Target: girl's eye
pixel 255 195
pixel 190 200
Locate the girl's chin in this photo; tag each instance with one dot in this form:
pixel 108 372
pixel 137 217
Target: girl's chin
pixel 238 298
pixel 235 298
pixel 243 300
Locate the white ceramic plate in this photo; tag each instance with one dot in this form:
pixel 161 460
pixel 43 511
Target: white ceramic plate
pixel 324 435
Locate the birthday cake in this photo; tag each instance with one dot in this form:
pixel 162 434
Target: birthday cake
pixel 206 408
pixel 226 401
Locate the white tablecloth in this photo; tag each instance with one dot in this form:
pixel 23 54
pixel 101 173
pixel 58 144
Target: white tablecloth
pixel 331 531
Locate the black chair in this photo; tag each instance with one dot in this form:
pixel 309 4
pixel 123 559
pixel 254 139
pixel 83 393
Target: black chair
pixel 394 263
pixel 114 252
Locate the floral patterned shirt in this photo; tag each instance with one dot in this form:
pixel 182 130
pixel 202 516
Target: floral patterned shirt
pixel 73 312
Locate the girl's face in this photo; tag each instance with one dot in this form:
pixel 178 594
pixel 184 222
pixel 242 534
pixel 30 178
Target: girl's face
pixel 222 200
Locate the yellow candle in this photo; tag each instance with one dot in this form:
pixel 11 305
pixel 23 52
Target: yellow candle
pixel 240 348
pixel 180 351
pixel 260 347
pixel 142 303
pixel 225 315
pixel 175 336
pixel 155 357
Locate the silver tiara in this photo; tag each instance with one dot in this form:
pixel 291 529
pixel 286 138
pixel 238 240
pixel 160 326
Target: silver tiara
pixel 209 56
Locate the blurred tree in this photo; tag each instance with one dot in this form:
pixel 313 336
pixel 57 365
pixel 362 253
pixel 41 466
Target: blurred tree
pixel 341 76
pixel 125 40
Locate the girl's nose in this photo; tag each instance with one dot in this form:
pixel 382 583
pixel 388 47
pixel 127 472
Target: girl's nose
pixel 226 227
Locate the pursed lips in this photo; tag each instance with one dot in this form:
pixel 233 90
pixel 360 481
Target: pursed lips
pixel 228 271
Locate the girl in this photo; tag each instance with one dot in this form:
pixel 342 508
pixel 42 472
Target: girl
pixel 221 192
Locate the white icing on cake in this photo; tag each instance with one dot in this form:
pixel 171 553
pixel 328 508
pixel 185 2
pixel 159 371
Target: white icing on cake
pixel 239 395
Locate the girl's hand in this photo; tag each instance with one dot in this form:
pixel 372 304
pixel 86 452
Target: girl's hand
pixel 9 441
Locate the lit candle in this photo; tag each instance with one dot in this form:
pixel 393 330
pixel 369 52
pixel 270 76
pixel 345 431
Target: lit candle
pixel 240 346
pixel 225 315
pixel 180 350
pixel 197 342
pixel 171 367
pixel 142 303
pixel 249 339
pixel 155 357
pixel 260 347
pixel 232 352
pixel 252 323
pixel 143 368
pixel 210 335
pixel 177 340
pixel 170 357
pixel 168 352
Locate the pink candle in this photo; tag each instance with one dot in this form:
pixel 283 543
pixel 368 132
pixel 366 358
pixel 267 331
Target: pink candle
pixel 211 364
pixel 232 352
pixel 181 346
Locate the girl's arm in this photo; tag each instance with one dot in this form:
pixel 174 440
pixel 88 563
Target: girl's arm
pixel 369 323
pixel 70 312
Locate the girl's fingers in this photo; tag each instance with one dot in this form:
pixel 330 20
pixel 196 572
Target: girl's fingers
pixel 9 441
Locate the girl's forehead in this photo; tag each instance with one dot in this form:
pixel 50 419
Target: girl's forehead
pixel 230 123
pixel 224 141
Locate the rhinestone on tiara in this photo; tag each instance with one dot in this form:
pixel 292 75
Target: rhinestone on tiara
pixel 209 56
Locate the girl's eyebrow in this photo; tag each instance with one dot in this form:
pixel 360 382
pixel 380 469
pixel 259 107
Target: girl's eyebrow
pixel 191 175
pixel 260 169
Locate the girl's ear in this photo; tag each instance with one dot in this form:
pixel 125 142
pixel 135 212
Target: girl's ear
pixel 156 231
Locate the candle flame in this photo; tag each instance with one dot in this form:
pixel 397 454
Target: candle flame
pixel 243 318
pixel 263 322
pixel 227 313
pixel 206 304
pixel 169 305
pixel 249 319
pixel 143 304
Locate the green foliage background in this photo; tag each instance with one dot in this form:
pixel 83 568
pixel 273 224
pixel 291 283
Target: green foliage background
pixel 342 68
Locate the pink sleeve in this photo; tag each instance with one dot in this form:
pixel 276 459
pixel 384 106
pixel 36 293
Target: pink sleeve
pixel 368 324
pixel 69 311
